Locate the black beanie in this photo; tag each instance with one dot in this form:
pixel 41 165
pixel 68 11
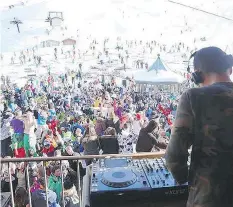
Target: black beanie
pixel 68 184
pixel 212 59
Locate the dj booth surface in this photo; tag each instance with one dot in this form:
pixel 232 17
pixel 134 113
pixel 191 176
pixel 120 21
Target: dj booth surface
pixel 126 182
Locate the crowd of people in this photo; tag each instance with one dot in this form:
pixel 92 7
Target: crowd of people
pixel 70 114
pixel 76 117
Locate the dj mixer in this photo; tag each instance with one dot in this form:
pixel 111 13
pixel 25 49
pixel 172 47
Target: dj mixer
pixel 122 180
pixel 163 184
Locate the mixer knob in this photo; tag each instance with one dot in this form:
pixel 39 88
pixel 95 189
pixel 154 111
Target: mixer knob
pixel 157 182
pixel 144 182
pixel 157 170
pixel 153 181
pixel 93 175
pixel 166 175
pixel 163 182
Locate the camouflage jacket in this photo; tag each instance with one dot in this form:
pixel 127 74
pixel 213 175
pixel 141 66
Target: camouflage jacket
pixel 204 120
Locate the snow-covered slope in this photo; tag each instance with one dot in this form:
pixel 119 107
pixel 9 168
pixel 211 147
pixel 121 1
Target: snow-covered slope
pixel 132 19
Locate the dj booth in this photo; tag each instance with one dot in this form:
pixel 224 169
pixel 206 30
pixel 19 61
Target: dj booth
pixel 126 182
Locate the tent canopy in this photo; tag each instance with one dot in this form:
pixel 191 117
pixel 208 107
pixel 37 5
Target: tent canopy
pixel 157 74
pixel 157 65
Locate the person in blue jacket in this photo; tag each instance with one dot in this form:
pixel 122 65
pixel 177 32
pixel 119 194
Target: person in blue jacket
pixel 149 112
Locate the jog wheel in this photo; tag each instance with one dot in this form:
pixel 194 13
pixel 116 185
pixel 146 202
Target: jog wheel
pixel 119 178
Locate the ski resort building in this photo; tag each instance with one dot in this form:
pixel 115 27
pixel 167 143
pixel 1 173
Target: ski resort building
pixel 49 43
pixel 69 41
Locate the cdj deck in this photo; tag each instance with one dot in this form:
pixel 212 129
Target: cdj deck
pixel 119 180
pixel 126 180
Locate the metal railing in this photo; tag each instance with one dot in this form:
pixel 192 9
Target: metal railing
pixel 60 159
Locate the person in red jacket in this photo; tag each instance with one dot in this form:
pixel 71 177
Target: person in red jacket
pixel 48 149
pixel 160 107
pixel 167 112
pixel 52 125
pixel 169 121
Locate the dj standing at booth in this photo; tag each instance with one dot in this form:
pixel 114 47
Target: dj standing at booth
pixel 204 121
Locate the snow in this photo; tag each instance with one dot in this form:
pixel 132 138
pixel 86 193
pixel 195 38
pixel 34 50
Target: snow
pixel 104 18
pixel 130 19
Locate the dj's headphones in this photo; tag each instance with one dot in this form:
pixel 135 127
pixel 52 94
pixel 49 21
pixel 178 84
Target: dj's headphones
pixel 196 76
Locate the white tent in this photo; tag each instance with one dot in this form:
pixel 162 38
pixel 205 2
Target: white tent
pixel 157 74
pixel 153 77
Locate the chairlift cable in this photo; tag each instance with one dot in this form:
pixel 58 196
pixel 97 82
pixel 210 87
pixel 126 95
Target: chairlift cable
pixel 197 9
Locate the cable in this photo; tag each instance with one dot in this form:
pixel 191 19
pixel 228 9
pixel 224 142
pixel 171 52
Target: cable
pixel 200 10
